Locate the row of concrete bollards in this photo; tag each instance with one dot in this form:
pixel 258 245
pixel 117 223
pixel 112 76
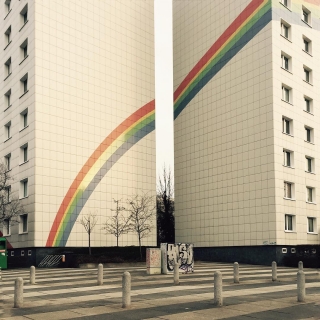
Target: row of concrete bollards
pixel 126 284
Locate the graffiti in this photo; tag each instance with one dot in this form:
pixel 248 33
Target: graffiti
pixel 182 253
pixel 50 261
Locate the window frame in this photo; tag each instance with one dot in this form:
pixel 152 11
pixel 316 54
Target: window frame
pixel 7 133
pixel 313 224
pixel 310 165
pixel 24 123
pixel 289 222
pixel 287 123
pixel 288 192
pixel 306 16
pixel 6 228
pixel 24 188
pixel 7 98
pixel 307 45
pixel 24 154
pixel 288 155
pixel 307 74
pixel 286 62
pixel 309 137
pixel 8 68
pixel 7 159
pixel 285 29
pixel 310 194
pixel 308 104
pixel 287 94
pixel 23 223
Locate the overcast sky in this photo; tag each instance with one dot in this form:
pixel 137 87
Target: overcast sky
pixel 164 84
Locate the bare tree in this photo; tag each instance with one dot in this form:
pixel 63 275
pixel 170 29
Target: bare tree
pixel 142 211
pixel 165 208
pixel 10 206
pixel 118 224
pixel 89 221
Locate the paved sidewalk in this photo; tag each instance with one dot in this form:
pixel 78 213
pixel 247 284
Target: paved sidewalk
pixel 73 294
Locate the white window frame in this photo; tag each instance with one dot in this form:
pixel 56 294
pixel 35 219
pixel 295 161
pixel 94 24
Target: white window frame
pixel 24 50
pixel 287 123
pixel 311 138
pixel 285 29
pixel 310 165
pixel 6 227
pixel 288 190
pixel 312 222
pixel 288 155
pixel 286 94
pixel 24 157
pixel 23 223
pixel 7 159
pixel 307 74
pixel 310 194
pixel 308 104
pixel 286 3
pixel 7 36
pixel 306 16
pixel 24 119
pixel 8 5
pixel 24 84
pixel 24 16
pixel 8 68
pixel 286 61
pixel 7 98
pixel 307 42
pixel 24 188
pixel 7 131
pixel 289 222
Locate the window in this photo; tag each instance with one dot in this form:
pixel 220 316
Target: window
pixel 306 15
pixel 8 5
pixel 287 158
pixel 308 104
pixel 24 16
pixel 7 161
pixel 24 118
pixel 285 30
pixel 286 94
pixel 286 3
pixel 289 222
pixel 310 164
pixel 310 194
pixel 8 194
pixel 24 84
pixel 24 188
pixel 309 134
pixel 23 224
pixel 307 45
pixel 307 74
pixel 7 130
pixel 312 225
pixel 24 49
pixel 7 36
pixel 6 227
pixel 288 190
pixel 287 126
pixel 24 153
pixel 285 61
pixel 7 67
pixel 7 99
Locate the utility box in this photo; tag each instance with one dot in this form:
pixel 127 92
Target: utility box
pixel 3 253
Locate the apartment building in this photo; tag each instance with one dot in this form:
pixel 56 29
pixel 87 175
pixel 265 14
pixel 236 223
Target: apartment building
pixel 247 119
pixel 77 122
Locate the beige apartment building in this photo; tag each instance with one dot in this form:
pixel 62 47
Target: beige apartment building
pixel 77 116
pixel 247 137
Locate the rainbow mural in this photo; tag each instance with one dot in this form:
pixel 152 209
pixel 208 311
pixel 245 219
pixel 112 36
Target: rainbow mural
pixel 249 22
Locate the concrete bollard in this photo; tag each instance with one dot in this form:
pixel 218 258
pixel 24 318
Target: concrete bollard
pixel 32 275
pixel 100 274
pixel 274 271
pixel 236 272
pixel 300 265
pixel 176 274
pixel 301 286
pixel 126 290
pixel 218 299
pixel 18 293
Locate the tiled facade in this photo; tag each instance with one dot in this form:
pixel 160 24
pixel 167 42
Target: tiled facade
pixel 77 114
pixel 233 156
